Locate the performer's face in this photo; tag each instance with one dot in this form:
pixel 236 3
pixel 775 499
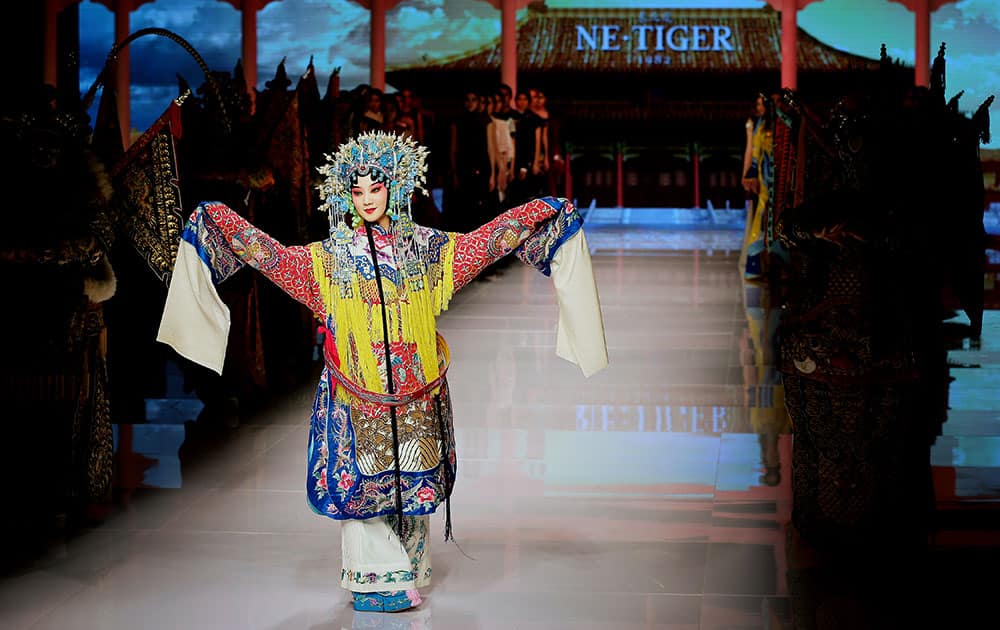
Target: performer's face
pixel 370 200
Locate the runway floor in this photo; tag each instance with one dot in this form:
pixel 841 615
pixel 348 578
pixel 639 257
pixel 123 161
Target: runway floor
pixel 635 499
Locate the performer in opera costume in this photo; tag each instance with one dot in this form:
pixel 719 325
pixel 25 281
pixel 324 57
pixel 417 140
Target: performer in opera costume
pixel 381 450
pixel 758 180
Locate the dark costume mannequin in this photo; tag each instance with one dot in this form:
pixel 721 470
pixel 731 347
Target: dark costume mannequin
pixel 54 264
pixel 861 339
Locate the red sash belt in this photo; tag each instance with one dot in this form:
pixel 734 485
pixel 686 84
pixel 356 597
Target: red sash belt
pixel 382 398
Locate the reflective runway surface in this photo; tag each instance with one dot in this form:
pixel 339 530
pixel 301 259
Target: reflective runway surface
pixel 654 495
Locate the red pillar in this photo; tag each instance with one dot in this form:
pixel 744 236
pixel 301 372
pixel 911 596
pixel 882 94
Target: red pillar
pixel 51 64
pixel 619 176
pixel 248 13
pixel 377 64
pixel 922 61
pixel 508 43
pixel 248 47
pixel 789 44
pixel 123 71
pixel 789 39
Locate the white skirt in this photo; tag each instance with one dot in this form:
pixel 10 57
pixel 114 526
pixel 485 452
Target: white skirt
pixel 375 560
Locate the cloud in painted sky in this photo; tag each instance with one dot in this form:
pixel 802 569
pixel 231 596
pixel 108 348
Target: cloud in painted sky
pixel 413 27
pixel 335 33
pixel 304 27
pixel 985 11
pixel 437 33
pixel 412 17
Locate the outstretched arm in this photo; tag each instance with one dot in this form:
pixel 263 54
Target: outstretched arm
pixel 487 244
pixel 215 244
pixel 215 228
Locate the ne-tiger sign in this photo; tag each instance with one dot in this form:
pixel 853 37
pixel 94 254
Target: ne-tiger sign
pixel 655 38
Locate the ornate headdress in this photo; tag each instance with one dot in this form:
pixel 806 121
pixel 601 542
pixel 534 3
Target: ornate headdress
pixel 399 161
pixel 394 159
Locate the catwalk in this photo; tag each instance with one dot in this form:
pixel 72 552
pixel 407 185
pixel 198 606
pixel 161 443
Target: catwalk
pixel 653 495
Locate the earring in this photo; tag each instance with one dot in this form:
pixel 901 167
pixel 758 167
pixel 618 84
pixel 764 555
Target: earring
pixel 392 204
pixel 339 248
pixel 341 235
pixel 338 224
pixel 405 226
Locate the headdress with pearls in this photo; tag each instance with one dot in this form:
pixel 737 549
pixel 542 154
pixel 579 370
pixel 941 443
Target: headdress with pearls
pixel 398 161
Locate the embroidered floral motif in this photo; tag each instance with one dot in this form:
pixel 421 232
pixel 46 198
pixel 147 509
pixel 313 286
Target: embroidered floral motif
pixel 389 577
pixel 426 494
pixel 345 480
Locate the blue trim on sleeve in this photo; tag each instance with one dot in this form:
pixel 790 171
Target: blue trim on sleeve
pixel 541 247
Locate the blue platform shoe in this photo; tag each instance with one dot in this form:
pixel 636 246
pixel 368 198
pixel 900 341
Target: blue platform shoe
pixel 386 601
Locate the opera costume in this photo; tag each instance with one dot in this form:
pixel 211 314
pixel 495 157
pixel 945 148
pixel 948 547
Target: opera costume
pixel 61 222
pixel 381 449
pixel 761 169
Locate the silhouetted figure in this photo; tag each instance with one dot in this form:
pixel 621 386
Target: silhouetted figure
pixel 873 253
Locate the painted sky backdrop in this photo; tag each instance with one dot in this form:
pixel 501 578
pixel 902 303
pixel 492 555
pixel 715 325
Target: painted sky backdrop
pixel 335 33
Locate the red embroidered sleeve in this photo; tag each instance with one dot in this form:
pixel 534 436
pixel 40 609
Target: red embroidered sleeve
pixel 290 268
pixel 491 242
